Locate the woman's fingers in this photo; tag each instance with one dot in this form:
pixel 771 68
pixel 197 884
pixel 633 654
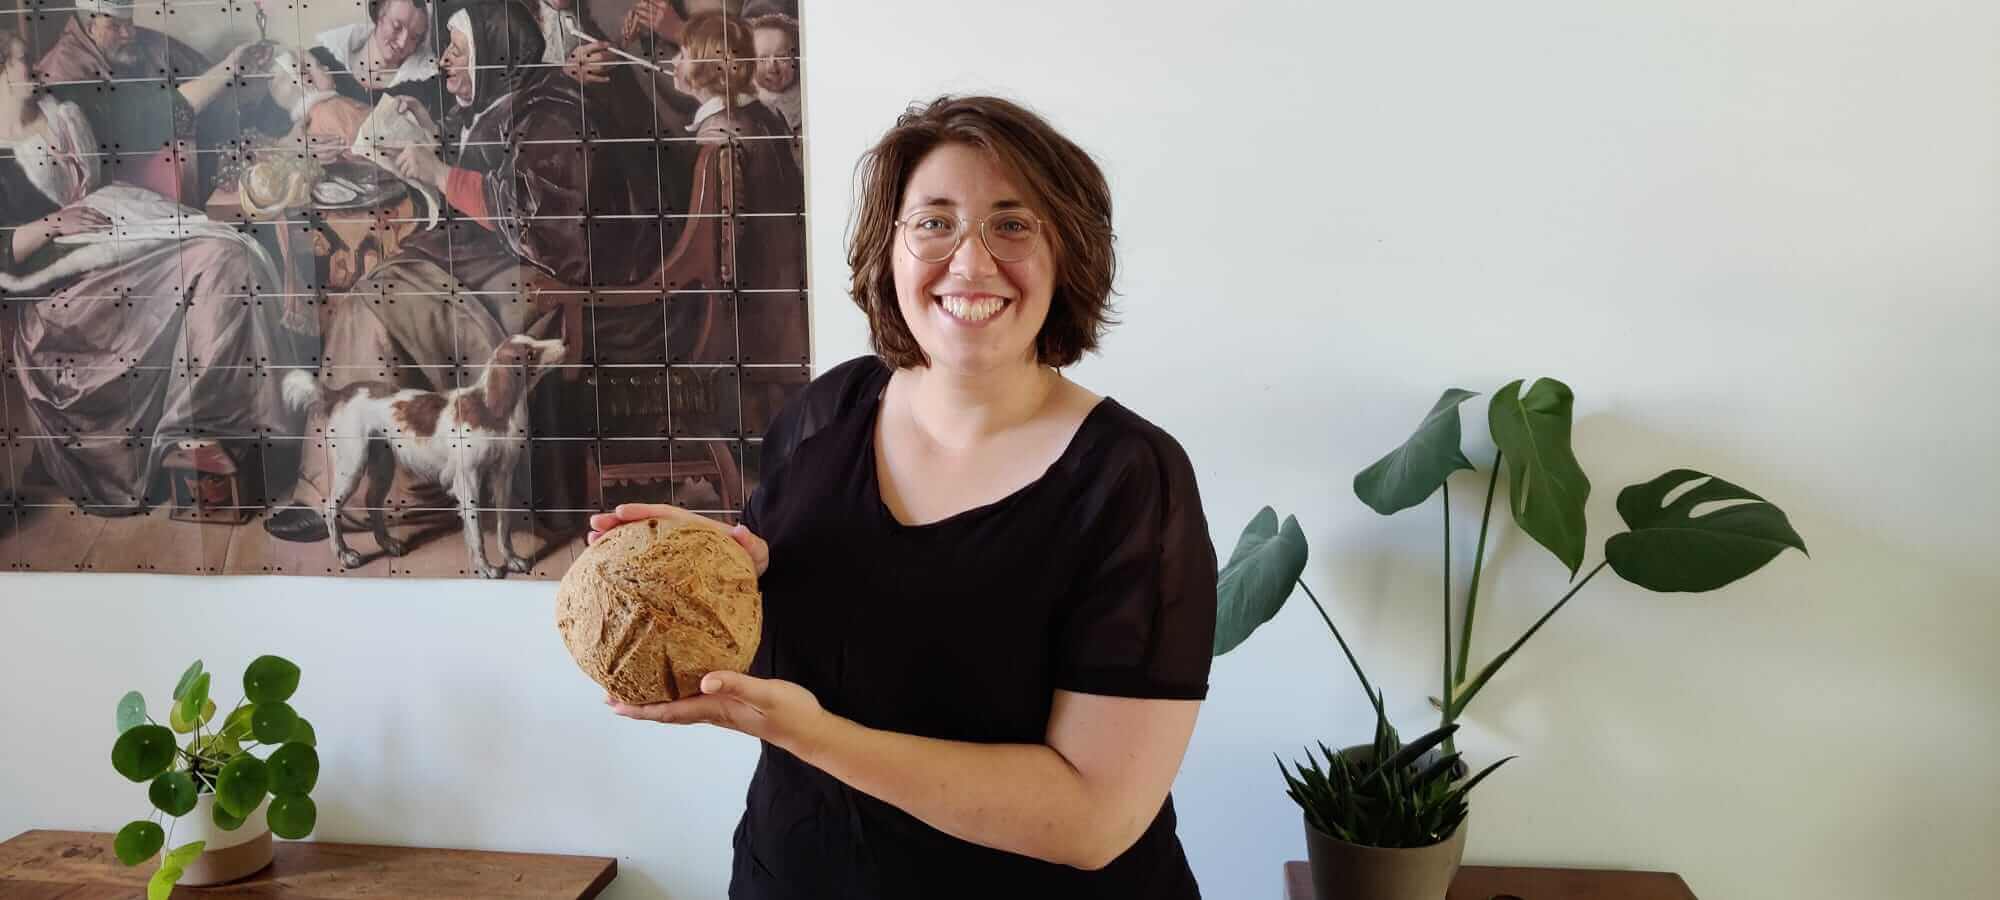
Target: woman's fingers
pixel 760 552
pixel 634 512
pixel 693 710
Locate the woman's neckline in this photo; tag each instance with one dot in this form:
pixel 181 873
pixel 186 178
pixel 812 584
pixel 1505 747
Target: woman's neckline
pixel 873 485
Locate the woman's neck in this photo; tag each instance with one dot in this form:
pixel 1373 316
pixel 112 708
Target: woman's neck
pixel 958 409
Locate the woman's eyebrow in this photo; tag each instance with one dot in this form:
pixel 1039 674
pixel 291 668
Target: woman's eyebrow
pixel 947 201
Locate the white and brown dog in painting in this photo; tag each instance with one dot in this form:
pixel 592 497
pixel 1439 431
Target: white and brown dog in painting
pixel 467 440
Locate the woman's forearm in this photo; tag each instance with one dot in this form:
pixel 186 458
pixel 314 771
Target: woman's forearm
pixel 1021 798
pixel 29 238
pixel 199 92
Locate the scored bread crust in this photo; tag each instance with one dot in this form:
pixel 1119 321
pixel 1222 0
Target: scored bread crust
pixel 653 606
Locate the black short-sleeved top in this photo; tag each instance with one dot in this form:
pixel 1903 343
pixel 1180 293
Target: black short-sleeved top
pixel 1098 577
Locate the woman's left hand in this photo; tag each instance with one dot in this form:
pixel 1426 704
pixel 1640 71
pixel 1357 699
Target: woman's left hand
pixel 769 709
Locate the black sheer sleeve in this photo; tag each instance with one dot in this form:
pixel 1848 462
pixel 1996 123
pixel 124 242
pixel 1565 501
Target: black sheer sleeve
pixel 1141 621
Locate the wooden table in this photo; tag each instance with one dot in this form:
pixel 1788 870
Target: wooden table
pixel 1503 882
pixel 79 865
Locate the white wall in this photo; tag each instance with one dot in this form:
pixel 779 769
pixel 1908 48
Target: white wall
pixel 1757 237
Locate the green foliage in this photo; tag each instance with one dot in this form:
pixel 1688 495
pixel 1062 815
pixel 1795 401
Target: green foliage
pixel 1669 547
pixel 217 760
pixel 1258 577
pixel 1414 797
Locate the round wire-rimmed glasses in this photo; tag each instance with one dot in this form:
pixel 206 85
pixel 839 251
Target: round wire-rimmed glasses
pixel 933 235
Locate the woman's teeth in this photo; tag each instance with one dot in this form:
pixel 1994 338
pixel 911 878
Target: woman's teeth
pixel 972 310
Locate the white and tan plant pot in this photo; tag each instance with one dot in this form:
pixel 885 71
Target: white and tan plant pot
pixel 228 855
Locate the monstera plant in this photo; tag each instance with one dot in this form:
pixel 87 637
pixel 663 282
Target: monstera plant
pixel 216 765
pixel 1687 531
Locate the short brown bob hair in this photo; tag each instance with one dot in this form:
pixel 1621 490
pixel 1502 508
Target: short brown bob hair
pixel 1066 189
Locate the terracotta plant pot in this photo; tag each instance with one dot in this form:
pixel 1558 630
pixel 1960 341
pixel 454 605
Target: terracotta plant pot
pixel 1344 871
pixel 229 855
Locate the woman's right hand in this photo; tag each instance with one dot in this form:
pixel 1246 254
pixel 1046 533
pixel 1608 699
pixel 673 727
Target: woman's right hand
pixel 625 513
pixel 656 16
pixel 77 219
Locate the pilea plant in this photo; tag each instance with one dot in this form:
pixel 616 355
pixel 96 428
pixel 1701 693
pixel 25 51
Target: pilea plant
pixel 219 761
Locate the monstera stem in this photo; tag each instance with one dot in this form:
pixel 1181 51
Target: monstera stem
pixel 1373 700
pixel 1445 493
pixel 1472 592
pixel 1485 674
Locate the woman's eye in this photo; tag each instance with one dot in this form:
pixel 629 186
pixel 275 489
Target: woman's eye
pixel 933 223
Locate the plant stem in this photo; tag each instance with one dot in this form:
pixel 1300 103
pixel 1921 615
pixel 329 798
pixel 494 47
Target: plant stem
pixel 1485 674
pixel 1445 493
pixel 1365 686
pixel 1478 564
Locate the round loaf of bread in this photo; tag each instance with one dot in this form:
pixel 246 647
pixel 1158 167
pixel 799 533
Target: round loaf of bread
pixel 655 605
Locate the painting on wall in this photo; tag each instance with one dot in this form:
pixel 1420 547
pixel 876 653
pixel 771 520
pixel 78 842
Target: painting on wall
pixel 388 287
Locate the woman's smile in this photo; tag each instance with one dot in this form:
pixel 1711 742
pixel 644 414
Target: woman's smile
pixel 971 309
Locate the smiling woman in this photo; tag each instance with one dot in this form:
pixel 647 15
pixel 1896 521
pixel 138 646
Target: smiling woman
pixel 989 594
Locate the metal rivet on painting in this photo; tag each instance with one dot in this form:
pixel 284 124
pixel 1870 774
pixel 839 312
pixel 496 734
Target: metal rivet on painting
pixel 388 287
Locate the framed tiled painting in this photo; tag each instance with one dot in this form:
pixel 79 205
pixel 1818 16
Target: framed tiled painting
pixel 388 287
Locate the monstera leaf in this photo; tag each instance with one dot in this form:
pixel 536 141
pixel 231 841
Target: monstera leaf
pixel 1547 485
pixel 1259 576
pixel 1410 474
pixel 1671 549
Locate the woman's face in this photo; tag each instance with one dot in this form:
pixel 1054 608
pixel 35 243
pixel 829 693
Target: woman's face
pixel 970 312
pixel 400 29
pixel 458 75
pixel 777 66
pixel 14 75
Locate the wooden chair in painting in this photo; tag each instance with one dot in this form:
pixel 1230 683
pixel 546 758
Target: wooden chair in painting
pixel 692 281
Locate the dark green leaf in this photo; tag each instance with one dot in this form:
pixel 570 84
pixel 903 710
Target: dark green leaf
pixel 172 793
pixel 1458 794
pixel 192 704
pixel 304 733
pixel 1438 769
pixel 273 722
pixel 226 820
pixel 1546 485
pixel 1411 751
pixel 1671 549
pixel 294 769
pixel 1260 574
pixel 131 712
pixel 270 679
pixel 187 679
pixel 138 841
pixel 242 785
pixel 1411 473
pixel 292 816
pixel 142 753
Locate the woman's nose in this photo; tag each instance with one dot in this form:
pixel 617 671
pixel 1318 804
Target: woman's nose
pixel 972 260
